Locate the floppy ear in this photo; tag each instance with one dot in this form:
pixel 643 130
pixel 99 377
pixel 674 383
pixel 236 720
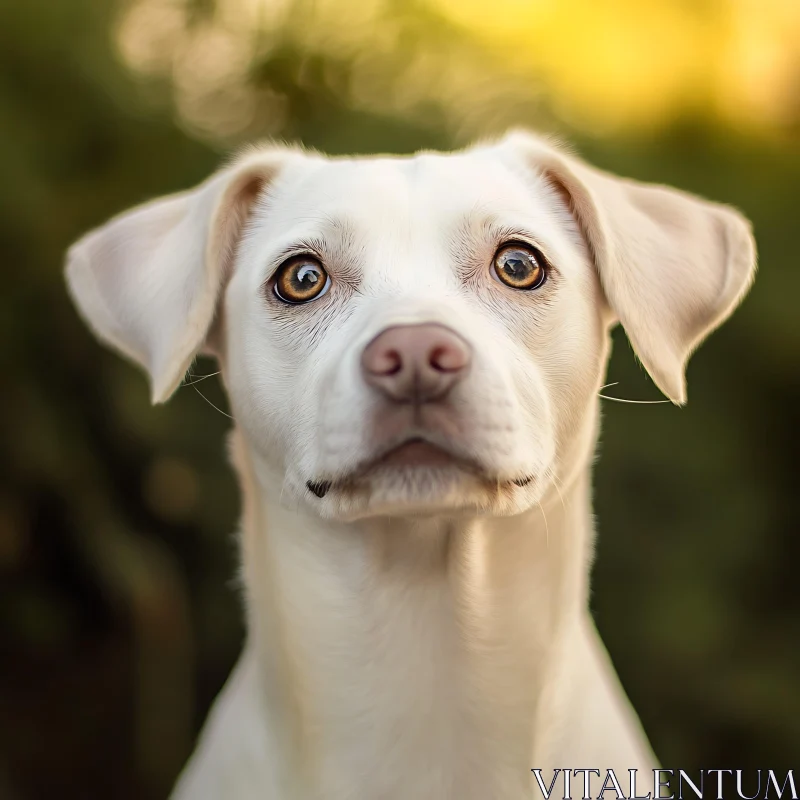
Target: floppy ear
pixel 148 281
pixel 673 267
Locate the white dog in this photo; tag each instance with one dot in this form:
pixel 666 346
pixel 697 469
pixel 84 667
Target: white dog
pixel 413 349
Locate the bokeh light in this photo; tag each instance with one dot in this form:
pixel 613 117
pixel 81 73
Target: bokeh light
pixel 604 65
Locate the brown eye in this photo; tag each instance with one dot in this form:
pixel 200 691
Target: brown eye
pixel 301 279
pixel 519 266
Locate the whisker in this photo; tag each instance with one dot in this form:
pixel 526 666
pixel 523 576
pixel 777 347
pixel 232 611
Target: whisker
pixel 198 378
pixel 546 526
pixel 623 400
pixel 553 477
pixel 210 403
pixel 633 402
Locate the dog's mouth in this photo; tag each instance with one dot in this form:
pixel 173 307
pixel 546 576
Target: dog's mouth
pixel 412 454
pixel 416 452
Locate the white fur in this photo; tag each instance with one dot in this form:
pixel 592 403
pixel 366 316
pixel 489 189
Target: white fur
pixel 426 636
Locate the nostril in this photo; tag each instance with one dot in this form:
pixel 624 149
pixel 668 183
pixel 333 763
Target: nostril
pixel 385 362
pixel 393 363
pixel 446 358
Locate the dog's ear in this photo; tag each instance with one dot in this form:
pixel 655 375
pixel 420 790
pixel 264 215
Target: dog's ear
pixel 673 267
pixel 148 281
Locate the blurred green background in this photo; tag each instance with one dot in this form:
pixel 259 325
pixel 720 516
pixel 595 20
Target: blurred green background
pixel 119 617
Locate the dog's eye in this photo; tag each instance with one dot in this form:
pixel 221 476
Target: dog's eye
pixel 301 279
pixel 520 266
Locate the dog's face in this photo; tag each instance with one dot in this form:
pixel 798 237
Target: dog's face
pixel 414 335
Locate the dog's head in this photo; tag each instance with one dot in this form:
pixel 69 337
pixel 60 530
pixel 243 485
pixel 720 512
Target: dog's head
pixel 405 335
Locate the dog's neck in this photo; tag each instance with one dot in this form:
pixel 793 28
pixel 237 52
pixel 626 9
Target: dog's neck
pixel 412 652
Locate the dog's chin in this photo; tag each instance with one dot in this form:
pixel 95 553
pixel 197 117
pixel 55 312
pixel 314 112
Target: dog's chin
pixel 409 491
pixel 421 479
pixel 420 489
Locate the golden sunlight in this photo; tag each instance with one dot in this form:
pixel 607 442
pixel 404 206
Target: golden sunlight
pixel 598 64
pixel 637 62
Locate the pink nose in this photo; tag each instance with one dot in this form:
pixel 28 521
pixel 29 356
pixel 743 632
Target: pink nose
pixel 415 363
